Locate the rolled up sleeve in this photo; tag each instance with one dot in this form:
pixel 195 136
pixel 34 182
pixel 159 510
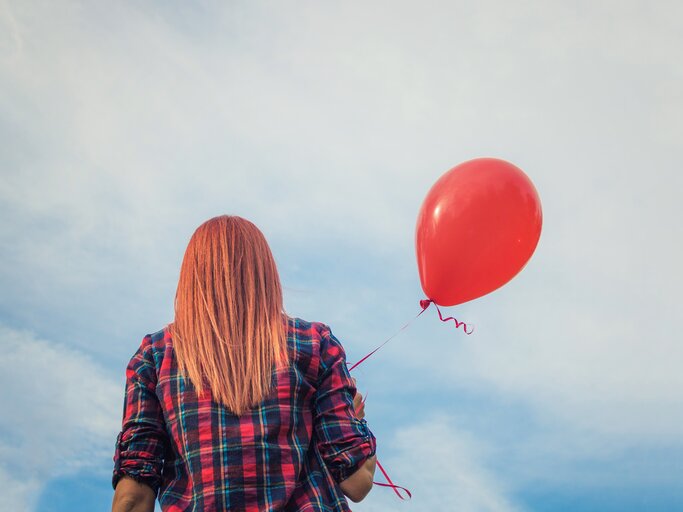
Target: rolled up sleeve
pixel 141 444
pixel 344 441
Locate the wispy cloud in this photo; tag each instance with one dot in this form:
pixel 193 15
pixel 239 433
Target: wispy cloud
pixel 443 466
pixel 60 414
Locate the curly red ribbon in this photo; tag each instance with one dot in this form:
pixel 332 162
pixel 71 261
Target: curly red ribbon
pixel 391 484
pixel 424 303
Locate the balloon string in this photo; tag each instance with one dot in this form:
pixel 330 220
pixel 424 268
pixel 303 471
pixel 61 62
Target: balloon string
pixel 391 484
pixel 425 304
pixel 392 336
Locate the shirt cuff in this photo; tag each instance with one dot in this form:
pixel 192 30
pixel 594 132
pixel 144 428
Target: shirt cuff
pixel 135 465
pixel 349 461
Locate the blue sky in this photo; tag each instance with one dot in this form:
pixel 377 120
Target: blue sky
pixel 124 126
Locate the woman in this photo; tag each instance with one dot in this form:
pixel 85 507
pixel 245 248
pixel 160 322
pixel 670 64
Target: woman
pixel 235 405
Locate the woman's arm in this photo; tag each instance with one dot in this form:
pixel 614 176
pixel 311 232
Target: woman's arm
pixel 343 438
pixel 131 496
pixel 359 484
pixel 141 445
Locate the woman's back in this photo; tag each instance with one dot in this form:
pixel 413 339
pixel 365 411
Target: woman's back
pixel 288 453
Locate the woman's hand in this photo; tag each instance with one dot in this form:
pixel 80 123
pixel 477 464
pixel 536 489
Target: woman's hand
pixel 358 403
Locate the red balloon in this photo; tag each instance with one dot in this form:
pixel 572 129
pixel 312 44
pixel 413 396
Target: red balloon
pixel 477 228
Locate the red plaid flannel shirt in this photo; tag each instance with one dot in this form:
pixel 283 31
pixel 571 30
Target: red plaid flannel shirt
pixel 287 454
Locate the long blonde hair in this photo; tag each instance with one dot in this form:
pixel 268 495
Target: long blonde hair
pixel 229 330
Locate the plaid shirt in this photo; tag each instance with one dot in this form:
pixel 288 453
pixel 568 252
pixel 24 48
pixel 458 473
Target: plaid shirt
pixel 287 454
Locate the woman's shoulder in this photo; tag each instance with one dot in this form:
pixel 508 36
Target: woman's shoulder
pixel 307 340
pixel 158 340
pixel 153 348
pixel 307 331
pixel 313 340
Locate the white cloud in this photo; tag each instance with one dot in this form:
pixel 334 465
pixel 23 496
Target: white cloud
pixel 18 492
pixel 154 127
pixel 60 414
pixel 603 365
pixel 600 372
pixel 443 467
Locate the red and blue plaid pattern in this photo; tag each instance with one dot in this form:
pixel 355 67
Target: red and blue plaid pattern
pixel 287 454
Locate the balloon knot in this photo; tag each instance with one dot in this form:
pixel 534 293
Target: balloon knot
pixel 424 303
